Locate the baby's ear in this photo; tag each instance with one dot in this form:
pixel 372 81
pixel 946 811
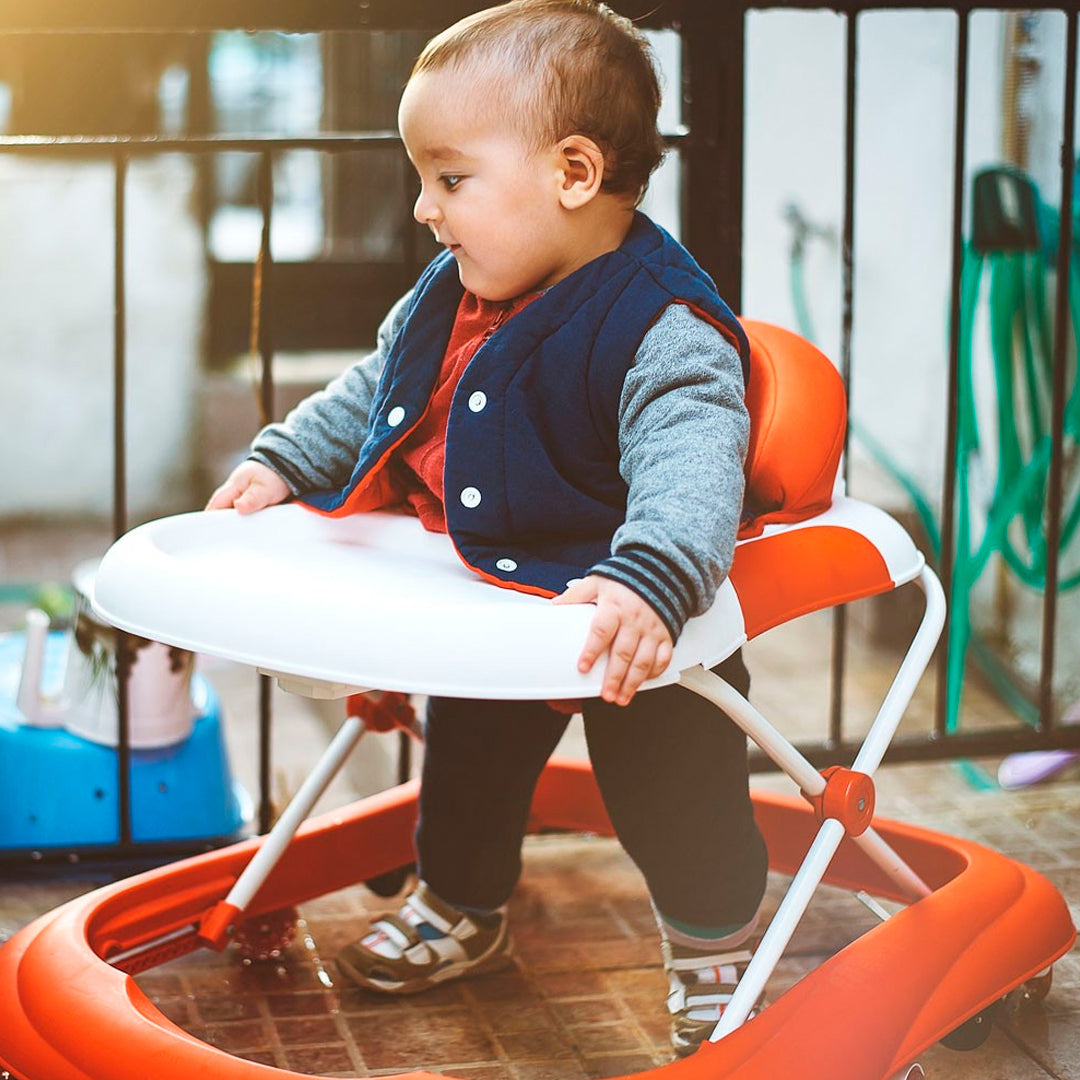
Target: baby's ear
pixel 581 164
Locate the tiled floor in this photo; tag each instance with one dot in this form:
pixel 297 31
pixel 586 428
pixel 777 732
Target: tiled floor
pixel 584 997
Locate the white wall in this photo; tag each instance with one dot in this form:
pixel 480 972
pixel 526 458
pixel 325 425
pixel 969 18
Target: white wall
pixel 56 389
pixel 903 201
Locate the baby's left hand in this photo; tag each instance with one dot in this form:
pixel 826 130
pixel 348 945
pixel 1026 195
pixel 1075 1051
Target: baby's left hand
pixel 639 641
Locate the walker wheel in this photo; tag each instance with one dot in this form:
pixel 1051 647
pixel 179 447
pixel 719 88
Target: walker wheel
pixel 1037 987
pixel 974 1031
pixel 267 936
pixel 1031 993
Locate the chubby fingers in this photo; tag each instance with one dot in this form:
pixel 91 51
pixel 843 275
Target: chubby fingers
pixel 634 657
pixel 245 496
pixel 582 591
pixel 603 627
pixel 225 496
pixel 636 640
pixel 603 632
pixel 255 496
pixel 250 487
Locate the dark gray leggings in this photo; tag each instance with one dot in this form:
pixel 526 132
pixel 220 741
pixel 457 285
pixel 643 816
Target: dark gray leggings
pixel 672 771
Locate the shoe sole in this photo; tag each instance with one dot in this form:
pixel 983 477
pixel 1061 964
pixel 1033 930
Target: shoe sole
pixel 682 1048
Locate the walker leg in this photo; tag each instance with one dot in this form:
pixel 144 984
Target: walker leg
pixel 812 784
pixel 216 926
pixel 810 781
pixel 783 924
pixel 890 862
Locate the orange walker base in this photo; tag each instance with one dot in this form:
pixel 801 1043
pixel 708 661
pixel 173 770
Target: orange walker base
pixel 988 925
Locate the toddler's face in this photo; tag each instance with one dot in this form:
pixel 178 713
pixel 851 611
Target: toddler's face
pixel 484 193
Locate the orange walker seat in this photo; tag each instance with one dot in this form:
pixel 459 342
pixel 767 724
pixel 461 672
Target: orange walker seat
pixel 976 926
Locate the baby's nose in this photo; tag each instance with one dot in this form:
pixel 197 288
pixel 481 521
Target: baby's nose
pixel 425 210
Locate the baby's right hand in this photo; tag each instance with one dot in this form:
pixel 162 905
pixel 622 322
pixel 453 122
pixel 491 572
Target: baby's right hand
pixel 250 487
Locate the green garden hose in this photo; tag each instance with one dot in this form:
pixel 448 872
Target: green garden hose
pixel 1012 246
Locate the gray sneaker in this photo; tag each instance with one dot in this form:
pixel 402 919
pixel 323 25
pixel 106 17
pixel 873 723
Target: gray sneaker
pixel 700 988
pixel 426 943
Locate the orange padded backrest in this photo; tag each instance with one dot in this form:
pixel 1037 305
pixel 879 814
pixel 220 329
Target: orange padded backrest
pixel 798 415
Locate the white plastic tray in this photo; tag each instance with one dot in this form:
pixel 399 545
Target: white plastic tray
pixel 368 601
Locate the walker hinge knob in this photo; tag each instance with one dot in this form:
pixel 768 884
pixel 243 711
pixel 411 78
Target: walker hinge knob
pixel 848 797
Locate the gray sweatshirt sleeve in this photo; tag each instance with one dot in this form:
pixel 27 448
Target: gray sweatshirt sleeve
pixel 316 446
pixel 683 432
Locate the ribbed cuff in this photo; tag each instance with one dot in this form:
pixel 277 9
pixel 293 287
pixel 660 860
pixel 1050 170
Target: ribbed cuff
pixel 281 467
pixel 662 585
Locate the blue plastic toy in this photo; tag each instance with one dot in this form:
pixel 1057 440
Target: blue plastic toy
pixel 60 789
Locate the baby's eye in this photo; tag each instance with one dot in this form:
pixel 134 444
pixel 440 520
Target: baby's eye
pixel 450 181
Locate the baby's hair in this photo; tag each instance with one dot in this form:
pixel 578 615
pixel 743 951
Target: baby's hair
pixel 565 67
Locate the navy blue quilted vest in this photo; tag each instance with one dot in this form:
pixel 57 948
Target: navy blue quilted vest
pixel 532 486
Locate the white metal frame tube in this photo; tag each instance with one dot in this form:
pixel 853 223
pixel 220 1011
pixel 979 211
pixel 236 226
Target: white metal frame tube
pixel 783 924
pixel 907 678
pixel 810 782
pixel 278 838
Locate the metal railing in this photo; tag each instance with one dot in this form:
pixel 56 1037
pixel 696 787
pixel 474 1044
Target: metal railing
pixel 714 54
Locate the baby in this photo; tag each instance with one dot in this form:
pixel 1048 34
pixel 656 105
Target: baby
pixel 562 393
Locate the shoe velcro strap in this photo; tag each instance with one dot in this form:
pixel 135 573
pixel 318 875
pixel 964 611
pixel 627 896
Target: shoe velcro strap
pixel 695 1001
pixel 422 902
pixel 400 927
pixel 693 963
pixel 420 955
pixel 683 1000
pixel 438 950
pixel 464 929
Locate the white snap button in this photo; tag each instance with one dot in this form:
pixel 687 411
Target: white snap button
pixel 477 400
pixel 573 581
pixel 395 416
pixel 507 565
pixel 470 497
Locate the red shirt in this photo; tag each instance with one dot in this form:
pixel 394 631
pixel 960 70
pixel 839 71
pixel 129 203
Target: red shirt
pixel 420 458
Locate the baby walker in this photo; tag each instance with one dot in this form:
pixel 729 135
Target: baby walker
pixel 977 925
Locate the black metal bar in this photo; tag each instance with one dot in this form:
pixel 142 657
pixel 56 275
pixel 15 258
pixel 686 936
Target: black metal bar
pixel 323 142
pixel 263 311
pixel 714 43
pixel 127 858
pixel 266 801
pixel 119 521
pixel 946 561
pixel 291 16
pixel 265 271
pixel 411 255
pixel 1057 418
pixel 199 121
pixel 838 657
pixel 847 254
pixel 124 651
pixel 199 144
pixel 125 656
pixel 404 770
pixel 911 748
pixel 309 16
